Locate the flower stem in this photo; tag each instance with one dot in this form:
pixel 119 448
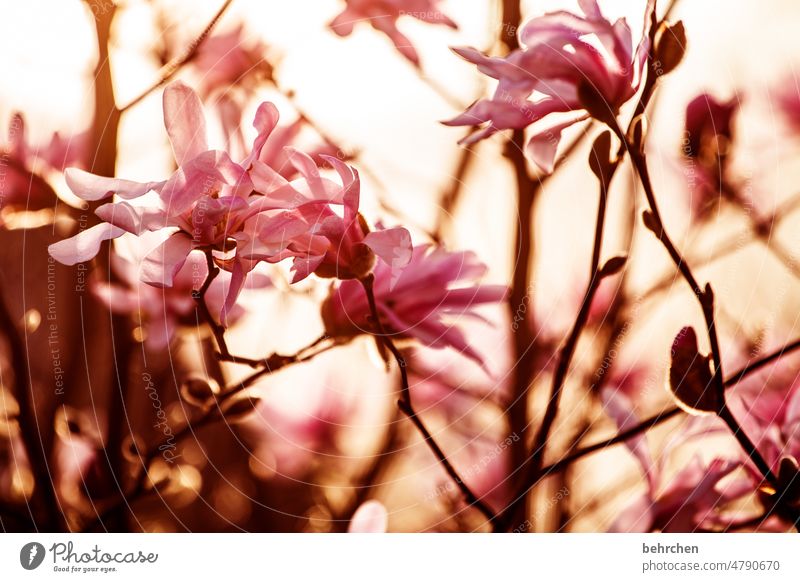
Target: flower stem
pixel 406 407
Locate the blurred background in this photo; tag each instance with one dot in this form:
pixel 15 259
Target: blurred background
pixel 326 436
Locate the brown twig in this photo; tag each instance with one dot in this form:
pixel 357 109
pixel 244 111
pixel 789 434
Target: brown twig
pixel 205 314
pixel 406 407
pixel 531 469
pixel 665 415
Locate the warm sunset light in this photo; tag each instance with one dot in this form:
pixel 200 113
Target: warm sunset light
pixel 398 266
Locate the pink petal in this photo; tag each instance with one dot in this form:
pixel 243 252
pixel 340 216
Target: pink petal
pixel 185 122
pixel 117 298
pixel 344 23
pixel 494 67
pixel 134 219
pixel 265 121
pixel 392 245
pixel 370 517
pixel 161 265
pixel 590 9
pixel 90 187
pixel 543 146
pixel 235 286
pixel 619 407
pixel 84 245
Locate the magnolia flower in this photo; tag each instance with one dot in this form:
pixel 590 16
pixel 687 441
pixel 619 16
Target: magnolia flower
pixel 204 204
pixel 383 16
pixel 228 59
pixel 23 184
pixel 564 57
pixel 319 240
pixel 770 414
pixel 706 145
pixel 417 302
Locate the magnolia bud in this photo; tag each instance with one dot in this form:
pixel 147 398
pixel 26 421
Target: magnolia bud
pixel 789 479
pixel 670 46
pixel 199 390
pixel 690 375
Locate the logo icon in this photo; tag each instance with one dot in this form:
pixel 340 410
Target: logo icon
pixel 31 555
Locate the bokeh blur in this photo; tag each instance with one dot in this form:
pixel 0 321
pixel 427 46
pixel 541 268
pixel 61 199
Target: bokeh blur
pixel 322 438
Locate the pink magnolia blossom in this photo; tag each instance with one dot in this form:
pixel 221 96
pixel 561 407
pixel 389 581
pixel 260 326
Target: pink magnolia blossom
pixel 319 240
pixel 23 184
pixel 229 60
pixel 205 203
pixel 370 517
pixel 562 55
pixel 769 411
pixel 417 302
pixel 383 16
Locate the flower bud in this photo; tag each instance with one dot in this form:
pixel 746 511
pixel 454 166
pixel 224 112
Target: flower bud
pixel 198 390
pixel 690 375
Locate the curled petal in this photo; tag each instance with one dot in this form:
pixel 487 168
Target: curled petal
pixel 392 245
pixel 161 265
pixel 543 146
pixel 90 187
pixel 84 245
pixel 265 122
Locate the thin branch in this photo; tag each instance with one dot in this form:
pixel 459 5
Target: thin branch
pixel 172 68
pixel 665 415
pixel 531 469
pixel 405 405
pixel 205 314
pixel 705 298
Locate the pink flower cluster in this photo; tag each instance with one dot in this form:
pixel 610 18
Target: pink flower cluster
pixel 563 57
pixel 418 302
pixel 241 213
